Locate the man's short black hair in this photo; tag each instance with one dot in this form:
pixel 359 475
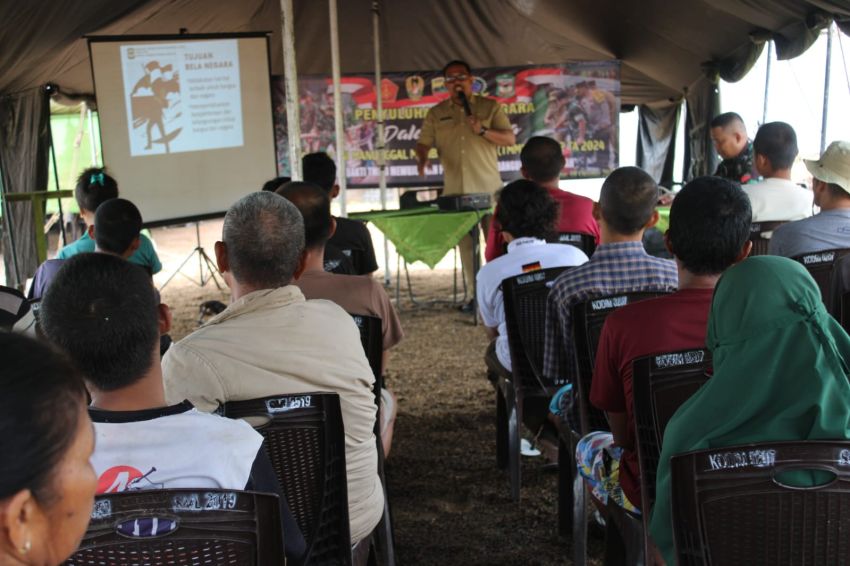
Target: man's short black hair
pixel 726 119
pixel 527 210
pixel 103 312
pixel 777 141
pixel 274 184
pixel 94 187
pixel 117 224
pixel 628 199
pixel 318 168
pixel 315 206
pixel 709 224
pixel 454 62
pixel 542 159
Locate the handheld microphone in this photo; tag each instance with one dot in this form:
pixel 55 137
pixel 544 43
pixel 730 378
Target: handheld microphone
pixel 465 101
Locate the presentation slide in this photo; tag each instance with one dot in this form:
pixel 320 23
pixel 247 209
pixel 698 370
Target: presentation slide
pixel 186 123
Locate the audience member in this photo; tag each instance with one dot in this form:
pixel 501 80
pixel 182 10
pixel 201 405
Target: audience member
pixel 526 215
pixel 542 162
pixel 776 197
pixel 106 314
pixel 274 184
pixel 709 231
pixel 357 294
pixel 780 374
pixel 116 230
pixel 95 186
pixel 351 237
pixel 270 340
pixel 729 135
pixel 829 229
pixel 619 265
pixel 47 484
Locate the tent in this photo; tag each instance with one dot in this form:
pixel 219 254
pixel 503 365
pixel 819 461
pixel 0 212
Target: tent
pixel 670 51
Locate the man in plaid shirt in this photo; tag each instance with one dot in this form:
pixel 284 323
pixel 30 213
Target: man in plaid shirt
pixel 619 265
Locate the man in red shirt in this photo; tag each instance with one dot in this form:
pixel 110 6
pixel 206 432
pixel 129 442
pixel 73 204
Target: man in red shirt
pixel 709 232
pixel 542 162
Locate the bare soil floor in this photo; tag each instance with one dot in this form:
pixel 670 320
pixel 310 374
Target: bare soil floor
pixel 451 504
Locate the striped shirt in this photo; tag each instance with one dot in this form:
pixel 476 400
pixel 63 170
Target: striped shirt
pixel 622 267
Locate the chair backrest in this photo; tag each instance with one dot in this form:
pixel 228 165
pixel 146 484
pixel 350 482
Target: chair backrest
pixel 584 242
pixel 660 384
pixel 760 233
pixel 525 317
pixel 822 267
pixel 372 338
pixel 182 527
pixel 587 320
pixel 13 307
pixel 305 441
pixel 732 506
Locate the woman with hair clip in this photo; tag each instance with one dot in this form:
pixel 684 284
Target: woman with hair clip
pixel 47 484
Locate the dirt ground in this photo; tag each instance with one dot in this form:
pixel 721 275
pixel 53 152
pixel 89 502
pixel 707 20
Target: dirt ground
pixel 451 504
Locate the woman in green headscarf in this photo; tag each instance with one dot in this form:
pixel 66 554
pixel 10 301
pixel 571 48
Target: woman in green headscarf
pixel 780 373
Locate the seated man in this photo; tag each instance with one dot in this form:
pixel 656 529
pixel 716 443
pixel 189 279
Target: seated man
pixel 777 197
pixel 116 230
pixel 829 229
pixel 709 231
pixel 356 294
pixel 729 135
pixel 350 235
pixel 94 187
pixel 271 341
pixel 105 314
pixel 542 161
pixel 526 214
pixel 619 265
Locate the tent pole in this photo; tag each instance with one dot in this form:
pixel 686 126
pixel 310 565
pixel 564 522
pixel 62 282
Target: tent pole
pixel 340 138
pixel 290 72
pixel 826 88
pixel 91 135
pixel 382 161
pixel 767 82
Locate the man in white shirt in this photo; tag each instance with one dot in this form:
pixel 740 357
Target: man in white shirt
pixel 527 215
pixel 777 197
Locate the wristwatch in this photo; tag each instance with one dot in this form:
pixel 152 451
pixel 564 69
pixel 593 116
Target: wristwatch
pixel 483 130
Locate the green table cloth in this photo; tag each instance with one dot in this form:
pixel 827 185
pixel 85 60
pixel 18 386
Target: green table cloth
pixel 422 234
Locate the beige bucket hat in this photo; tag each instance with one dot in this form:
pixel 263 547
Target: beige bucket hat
pixel 833 166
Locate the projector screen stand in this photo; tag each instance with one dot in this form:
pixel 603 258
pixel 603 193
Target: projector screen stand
pixel 203 259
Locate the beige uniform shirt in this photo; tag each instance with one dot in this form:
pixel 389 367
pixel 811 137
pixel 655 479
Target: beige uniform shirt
pixel 275 342
pixel 469 161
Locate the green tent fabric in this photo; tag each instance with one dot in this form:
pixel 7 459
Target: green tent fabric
pixel 780 373
pixel 424 234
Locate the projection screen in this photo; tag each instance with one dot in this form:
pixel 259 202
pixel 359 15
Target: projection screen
pixel 186 121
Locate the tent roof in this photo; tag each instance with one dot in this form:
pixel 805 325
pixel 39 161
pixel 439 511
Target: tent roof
pixel 662 44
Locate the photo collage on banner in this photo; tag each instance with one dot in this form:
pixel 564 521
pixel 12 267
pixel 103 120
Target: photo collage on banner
pixel 575 103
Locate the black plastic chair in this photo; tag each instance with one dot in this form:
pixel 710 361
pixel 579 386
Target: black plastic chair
pixel 731 505
pixel 371 337
pixel 182 527
pixel 305 441
pixel 759 235
pixel 580 240
pixel 660 384
pixel 523 392
pixel 587 319
pixel 822 267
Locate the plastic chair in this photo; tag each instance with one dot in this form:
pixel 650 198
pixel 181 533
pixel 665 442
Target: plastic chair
pixel 760 233
pixel 731 505
pixel 305 441
pixel 373 342
pixel 822 266
pixel 660 384
pixel 587 318
pixel 584 242
pixel 524 388
pixel 177 527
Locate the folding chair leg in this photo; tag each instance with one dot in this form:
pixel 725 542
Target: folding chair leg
pixel 513 450
pixel 501 432
pixel 565 488
pixel 579 516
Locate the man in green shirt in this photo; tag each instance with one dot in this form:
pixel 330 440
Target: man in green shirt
pixel 465 144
